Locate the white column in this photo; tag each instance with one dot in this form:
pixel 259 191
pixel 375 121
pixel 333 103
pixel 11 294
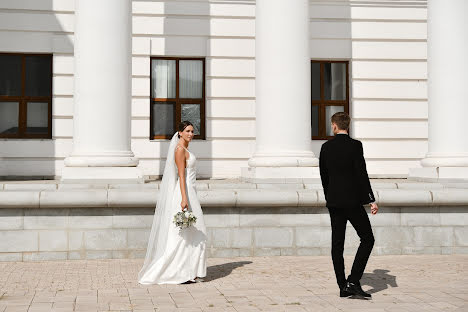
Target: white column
pixel 283 94
pixel 447 156
pixel 102 98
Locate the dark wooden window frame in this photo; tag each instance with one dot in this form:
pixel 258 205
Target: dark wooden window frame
pixel 322 103
pixel 179 101
pixel 23 103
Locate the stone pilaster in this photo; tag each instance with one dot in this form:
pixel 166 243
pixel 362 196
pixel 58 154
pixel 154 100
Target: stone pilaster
pixel 102 96
pixel 283 103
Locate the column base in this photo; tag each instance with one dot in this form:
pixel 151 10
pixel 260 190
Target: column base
pixel 307 159
pixel 439 174
pixel 280 174
pixel 294 167
pixel 125 160
pixel 102 175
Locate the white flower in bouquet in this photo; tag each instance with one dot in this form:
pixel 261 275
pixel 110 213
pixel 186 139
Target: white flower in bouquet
pixel 184 219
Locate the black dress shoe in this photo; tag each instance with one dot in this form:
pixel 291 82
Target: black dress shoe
pixel 344 293
pixel 355 289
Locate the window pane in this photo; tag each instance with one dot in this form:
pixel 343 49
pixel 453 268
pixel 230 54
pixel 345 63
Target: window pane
pixel 335 81
pixel 163 118
pixel 191 79
pixel 163 79
pixel 9 117
pixel 38 75
pixel 10 75
pixel 315 76
pixel 315 120
pixel 191 112
pixel 37 118
pixel 329 112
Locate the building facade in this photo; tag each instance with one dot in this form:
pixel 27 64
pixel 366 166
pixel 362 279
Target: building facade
pixel 92 90
pixel 259 80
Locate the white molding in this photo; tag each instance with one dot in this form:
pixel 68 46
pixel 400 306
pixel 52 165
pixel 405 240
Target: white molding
pixel 229 195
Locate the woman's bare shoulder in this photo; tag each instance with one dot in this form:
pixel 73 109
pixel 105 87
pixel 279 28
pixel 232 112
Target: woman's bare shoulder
pixel 179 152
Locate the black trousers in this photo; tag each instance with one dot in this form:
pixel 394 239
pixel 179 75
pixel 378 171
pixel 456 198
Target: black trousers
pixel 358 218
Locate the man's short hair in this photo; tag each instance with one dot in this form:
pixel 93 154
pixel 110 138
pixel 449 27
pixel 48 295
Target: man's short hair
pixel 342 120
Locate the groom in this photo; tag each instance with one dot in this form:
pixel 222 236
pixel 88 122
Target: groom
pixel 347 188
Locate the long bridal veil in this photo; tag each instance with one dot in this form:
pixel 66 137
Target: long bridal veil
pixel 162 218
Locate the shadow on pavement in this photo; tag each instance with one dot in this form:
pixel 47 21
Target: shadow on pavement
pixel 221 270
pixel 379 280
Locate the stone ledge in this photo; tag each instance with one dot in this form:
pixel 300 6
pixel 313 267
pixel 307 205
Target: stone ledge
pixel 225 184
pixel 86 198
pixel 73 198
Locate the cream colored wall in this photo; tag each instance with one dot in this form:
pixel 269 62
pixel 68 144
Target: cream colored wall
pixel 386 46
pixel 389 72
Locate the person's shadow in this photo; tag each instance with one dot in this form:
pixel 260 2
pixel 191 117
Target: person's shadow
pixel 379 280
pixel 221 270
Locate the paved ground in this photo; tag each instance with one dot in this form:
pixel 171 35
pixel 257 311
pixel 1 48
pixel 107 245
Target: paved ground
pixel 398 283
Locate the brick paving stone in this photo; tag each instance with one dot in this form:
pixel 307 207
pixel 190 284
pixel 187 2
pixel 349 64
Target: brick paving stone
pixel 40 307
pixel 398 283
pixel 120 306
pixel 140 304
pixel 17 308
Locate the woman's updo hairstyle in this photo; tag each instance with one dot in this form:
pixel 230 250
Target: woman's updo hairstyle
pixel 182 125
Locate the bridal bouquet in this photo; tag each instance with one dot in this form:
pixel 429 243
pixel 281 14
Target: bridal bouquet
pixel 184 219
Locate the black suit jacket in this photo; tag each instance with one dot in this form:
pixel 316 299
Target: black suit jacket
pixel 343 172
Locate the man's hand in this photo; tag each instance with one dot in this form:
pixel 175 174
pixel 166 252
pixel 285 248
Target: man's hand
pixel 374 208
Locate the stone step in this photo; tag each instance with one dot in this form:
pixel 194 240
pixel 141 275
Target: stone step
pixel 147 197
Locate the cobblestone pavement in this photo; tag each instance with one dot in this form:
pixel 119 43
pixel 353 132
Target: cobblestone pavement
pixel 398 283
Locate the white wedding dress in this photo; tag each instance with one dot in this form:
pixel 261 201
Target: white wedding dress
pixel 175 255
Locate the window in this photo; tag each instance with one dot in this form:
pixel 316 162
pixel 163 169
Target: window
pixel 330 94
pixel 177 94
pixel 25 95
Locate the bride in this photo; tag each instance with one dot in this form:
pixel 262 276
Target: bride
pixel 174 255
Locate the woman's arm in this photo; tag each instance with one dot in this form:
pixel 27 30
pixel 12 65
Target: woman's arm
pixel 180 162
